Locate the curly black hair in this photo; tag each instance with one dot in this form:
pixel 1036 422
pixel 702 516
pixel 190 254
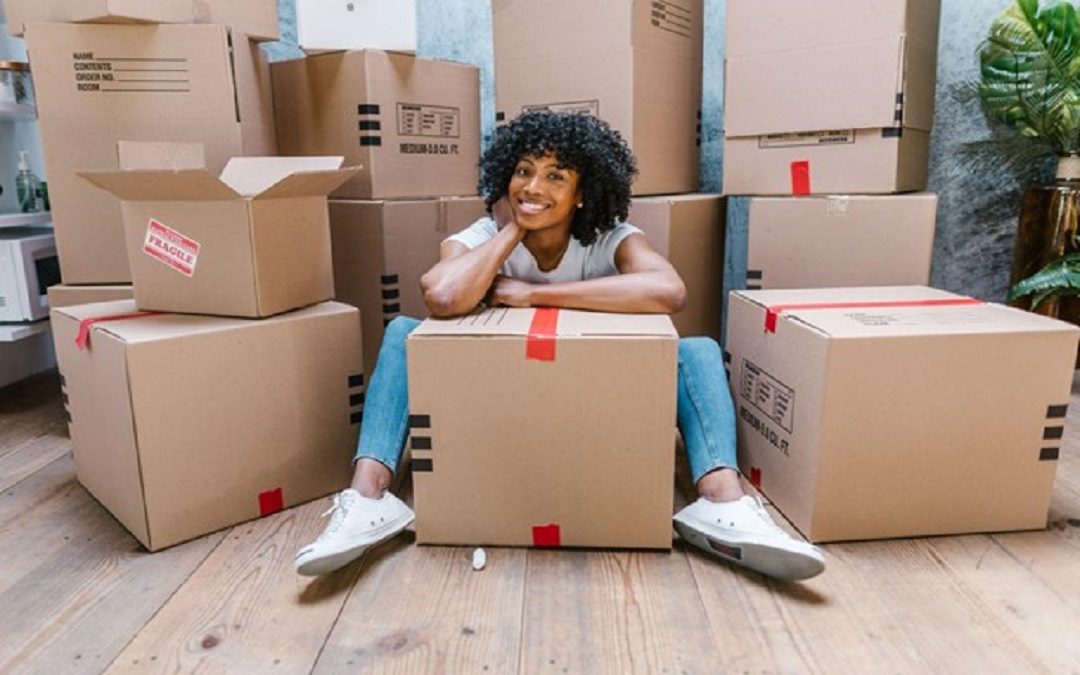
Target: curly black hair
pixel 579 141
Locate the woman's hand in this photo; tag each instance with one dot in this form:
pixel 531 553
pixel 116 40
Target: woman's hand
pixel 511 292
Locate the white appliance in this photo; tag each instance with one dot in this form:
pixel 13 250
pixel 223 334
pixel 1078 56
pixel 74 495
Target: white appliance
pixel 331 25
pixel 28 266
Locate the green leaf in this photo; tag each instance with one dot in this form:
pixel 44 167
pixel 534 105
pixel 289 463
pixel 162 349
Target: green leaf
pixel 1059 278
pixel 1030 67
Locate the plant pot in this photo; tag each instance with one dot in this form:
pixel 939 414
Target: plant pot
pixel 1049 227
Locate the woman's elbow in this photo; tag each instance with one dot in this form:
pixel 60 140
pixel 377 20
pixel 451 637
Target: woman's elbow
pixel 438 298
pixel 675 297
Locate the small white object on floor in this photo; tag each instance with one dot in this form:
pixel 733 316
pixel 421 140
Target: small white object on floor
pixel 479 559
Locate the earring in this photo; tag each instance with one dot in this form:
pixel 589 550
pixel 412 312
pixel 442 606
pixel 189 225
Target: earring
pixel 580 204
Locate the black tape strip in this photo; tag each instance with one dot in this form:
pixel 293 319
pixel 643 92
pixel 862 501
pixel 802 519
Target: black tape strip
pixel 1053 433
pixel 892 132
pixel 367 109
pixel 753 274
pixel 356 399
pixel 500 116
pixel 356 380
pixel 356 417
pixel 370 140
pixel 420 464
pixel 390 294
pixel 386 322
pixel 1056 411
pixel 900 98
pixel 419 421
pixel 699 113
pixel 392 308
pixel 753 287
pixel 727 357
pixel 1048 455
pixel 388 279
pixel 420 442
pixel 370 125
pixel 898 116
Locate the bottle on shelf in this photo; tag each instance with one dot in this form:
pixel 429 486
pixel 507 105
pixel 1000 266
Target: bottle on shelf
pixel 27 186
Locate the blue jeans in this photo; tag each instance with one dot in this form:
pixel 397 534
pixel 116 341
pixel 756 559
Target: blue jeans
pixel 706 416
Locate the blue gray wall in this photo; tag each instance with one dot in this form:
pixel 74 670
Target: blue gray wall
pixel 979 196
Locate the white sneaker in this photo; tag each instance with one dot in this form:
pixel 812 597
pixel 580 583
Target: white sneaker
pixel 356 524
pixel 743 533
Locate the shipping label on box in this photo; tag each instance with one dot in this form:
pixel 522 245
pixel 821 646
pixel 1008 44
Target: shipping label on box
pixel 878 412
pixel 330 25
pixel 245 450
pixel 503 389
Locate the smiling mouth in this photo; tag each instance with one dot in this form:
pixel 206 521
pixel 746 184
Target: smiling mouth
pixel 530 208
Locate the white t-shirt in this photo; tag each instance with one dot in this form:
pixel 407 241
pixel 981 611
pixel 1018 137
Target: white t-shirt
pixel 578 263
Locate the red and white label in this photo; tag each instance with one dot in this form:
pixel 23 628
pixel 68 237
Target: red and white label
pixel 170 247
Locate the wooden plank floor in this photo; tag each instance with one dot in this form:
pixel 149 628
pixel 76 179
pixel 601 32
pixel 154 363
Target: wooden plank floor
pixel 78 594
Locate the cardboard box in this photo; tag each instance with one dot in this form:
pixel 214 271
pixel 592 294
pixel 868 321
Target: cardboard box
pixel 252 243
pixel 528 429
pixel 828 97
pixel 412 124
pixel 332 25
pixel 182 425
pixel 688 230
pixel 256 18
pixel 636 64
pixel 88 99
pixel 63 295
pixel 829 241
pixel 380 251
pixel 877 412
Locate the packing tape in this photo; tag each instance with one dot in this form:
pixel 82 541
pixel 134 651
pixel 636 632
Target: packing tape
pixel 82 339
pixel 546 536
pixel 540 342
pixel 772 312
pixel 271 501
pixel 755 477
pixel 800 177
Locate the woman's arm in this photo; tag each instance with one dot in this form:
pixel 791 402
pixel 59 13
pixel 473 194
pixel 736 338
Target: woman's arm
pixel 647 283
pixel 463 276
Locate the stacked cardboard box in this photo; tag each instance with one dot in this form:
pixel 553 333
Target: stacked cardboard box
pixel 116 76
pixel 182 424
pixel 830 98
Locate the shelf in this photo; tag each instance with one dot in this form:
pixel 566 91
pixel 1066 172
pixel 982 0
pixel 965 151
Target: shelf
pixel 13 332
pixel 17 219
pixel 17 111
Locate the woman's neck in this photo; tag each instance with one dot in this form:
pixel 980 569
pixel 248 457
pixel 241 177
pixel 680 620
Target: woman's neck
pixel 548 246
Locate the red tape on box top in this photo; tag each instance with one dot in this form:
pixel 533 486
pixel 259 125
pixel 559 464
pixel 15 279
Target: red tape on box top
pixel 772 312
pixel 546 536
pixel 82 339
pixel 540 342
pixel 800 178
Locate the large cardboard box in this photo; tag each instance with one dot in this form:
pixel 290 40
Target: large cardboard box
pixel 867 413
pixel 380 251
pixel 413 124
pixel 828 97
pixel 688 230
pixel 89 98
pixel 63 295
pixel 829 241
pixel 636 64
pixel 527 428
pixel 181 425
pixel 331 25
pixel 252 243
pixel 256 18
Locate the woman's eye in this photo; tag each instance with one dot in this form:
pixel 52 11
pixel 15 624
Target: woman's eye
pixel 554 176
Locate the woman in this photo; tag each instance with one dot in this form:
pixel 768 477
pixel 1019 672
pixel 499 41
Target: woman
pixel 558 186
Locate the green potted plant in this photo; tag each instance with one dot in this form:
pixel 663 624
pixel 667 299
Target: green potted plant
pixel 1030 83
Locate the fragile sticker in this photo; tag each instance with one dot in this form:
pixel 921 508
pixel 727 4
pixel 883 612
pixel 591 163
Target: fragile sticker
pixel 170 247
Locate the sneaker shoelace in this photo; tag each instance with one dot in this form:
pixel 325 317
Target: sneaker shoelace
pixel 337 513
pixel 758 507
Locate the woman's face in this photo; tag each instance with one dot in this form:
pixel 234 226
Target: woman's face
pixel 541 194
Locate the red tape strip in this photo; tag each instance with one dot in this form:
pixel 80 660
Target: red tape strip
pixel 755 477
pixel 546 535
pixel 800 177
pixel 271 501
pixel 772 312
pixel 82 339
pixel 540 342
